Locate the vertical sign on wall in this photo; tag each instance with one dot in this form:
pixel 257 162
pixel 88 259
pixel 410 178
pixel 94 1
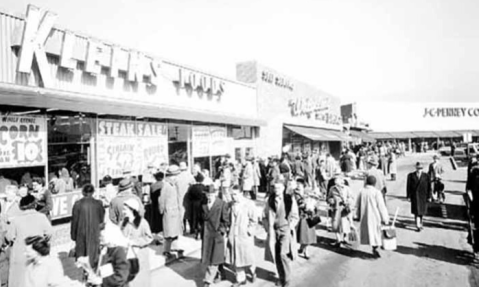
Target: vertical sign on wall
pixel 23 141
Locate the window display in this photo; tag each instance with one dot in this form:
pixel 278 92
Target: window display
pixel 69 150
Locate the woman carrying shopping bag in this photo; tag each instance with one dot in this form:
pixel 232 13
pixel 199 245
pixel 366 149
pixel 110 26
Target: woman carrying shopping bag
pixel 370 212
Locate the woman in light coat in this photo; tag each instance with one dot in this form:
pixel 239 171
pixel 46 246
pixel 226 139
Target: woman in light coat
pixel 371 211
pixel 341 200
pixel 240 241
pixel 28 223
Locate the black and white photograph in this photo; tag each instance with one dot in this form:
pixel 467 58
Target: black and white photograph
pixel 207 143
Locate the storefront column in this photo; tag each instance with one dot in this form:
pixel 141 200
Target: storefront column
pixel 410 145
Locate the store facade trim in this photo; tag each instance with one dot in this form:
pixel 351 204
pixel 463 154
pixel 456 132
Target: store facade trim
pixel 315 134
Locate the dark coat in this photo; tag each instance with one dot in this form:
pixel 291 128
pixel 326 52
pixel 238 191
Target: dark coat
pixel 116 256
pixel 215 225
pixel 156 222
pixel 298 169
pixel 87 215
pixel 473 181
pixel 418 191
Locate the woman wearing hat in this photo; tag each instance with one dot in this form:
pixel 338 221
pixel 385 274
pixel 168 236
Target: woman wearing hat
pixel 341 200
pixel 137 231
pixel 28 223
pixel 306 234
pixel 44 269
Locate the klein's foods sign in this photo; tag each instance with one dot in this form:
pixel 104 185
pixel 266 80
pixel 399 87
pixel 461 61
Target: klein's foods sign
pixel 22 141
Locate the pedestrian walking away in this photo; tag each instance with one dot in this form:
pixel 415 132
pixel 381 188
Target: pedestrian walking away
pixel 370 211
pixel 418 193
pixel 87 216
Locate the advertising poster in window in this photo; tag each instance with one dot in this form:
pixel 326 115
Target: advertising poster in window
pixel 219 142
pixel 125 146
pixel 201 141
pixel 23 141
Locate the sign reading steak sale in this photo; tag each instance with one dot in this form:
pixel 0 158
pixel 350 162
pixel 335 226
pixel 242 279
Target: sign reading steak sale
pixel 22 141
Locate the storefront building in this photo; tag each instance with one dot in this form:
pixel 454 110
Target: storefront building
pixel 301 118
pixel 355 127
pixel 79 107
pixel 436 123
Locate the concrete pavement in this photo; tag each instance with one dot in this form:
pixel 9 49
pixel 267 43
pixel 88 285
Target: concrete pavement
pixel 438 256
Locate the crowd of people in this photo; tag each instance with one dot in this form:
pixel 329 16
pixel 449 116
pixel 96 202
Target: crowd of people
pixel 112 229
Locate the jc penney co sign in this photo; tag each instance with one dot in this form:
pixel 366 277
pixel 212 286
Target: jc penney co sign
pixel 451 112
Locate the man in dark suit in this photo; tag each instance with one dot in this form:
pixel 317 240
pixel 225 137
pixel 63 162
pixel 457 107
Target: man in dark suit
pixel 418 193
pixel 215 218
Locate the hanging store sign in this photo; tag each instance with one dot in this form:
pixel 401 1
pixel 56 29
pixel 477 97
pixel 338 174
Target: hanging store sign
pixel 38 39
pixel 133 147
pixel 317 109
pixel 451 112
pixel 23 141
pixel 209 141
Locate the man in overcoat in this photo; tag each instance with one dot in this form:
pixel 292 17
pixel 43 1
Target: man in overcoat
pixel 184 180
pixel 240 244
pixel 473 186
pixel 418 193
pixel 87 216
pixel 171 208
pixel 280 217
pixel 215 226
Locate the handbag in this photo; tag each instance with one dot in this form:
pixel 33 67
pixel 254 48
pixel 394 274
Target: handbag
pixel 72 252
pixel 313 221
pixel 133 262
pixel 389 235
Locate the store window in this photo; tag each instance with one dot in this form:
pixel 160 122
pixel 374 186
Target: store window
pixel 23 144
pixel 70 148
pixel 178 135
pixel 240 132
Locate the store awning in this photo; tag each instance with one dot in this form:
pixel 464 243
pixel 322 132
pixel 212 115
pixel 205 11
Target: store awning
pixel 381 136
pixel 47 98
pixel 426 134
pixel 316 134
pixel 403 135
pixel 448 134
pixel 364 136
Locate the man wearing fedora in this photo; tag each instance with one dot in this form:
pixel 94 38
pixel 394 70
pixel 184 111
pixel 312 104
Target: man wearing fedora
pixel 435 172
pixel 215 218
pixel 125 192
pixel 418 193
pixel 378 174
pixel 171 209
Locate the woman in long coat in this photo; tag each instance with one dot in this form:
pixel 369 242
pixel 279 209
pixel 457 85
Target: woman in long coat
pixel 371 211
pixel 346 162
pixel 341 199
pixel 28 223
pixel 240 241
pixel 306 235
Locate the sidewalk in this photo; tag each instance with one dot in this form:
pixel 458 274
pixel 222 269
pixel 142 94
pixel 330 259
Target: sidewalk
pixel 62 245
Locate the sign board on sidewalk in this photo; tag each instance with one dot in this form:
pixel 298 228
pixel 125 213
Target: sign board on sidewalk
pixel 63 204
pixel 23 141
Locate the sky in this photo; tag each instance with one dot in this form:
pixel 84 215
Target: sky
pixel 364 50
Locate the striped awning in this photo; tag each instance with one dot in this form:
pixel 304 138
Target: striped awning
pixel 362 135
pixel 317 134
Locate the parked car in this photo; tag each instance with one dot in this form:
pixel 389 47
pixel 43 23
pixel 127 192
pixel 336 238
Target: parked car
pixel 463 152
